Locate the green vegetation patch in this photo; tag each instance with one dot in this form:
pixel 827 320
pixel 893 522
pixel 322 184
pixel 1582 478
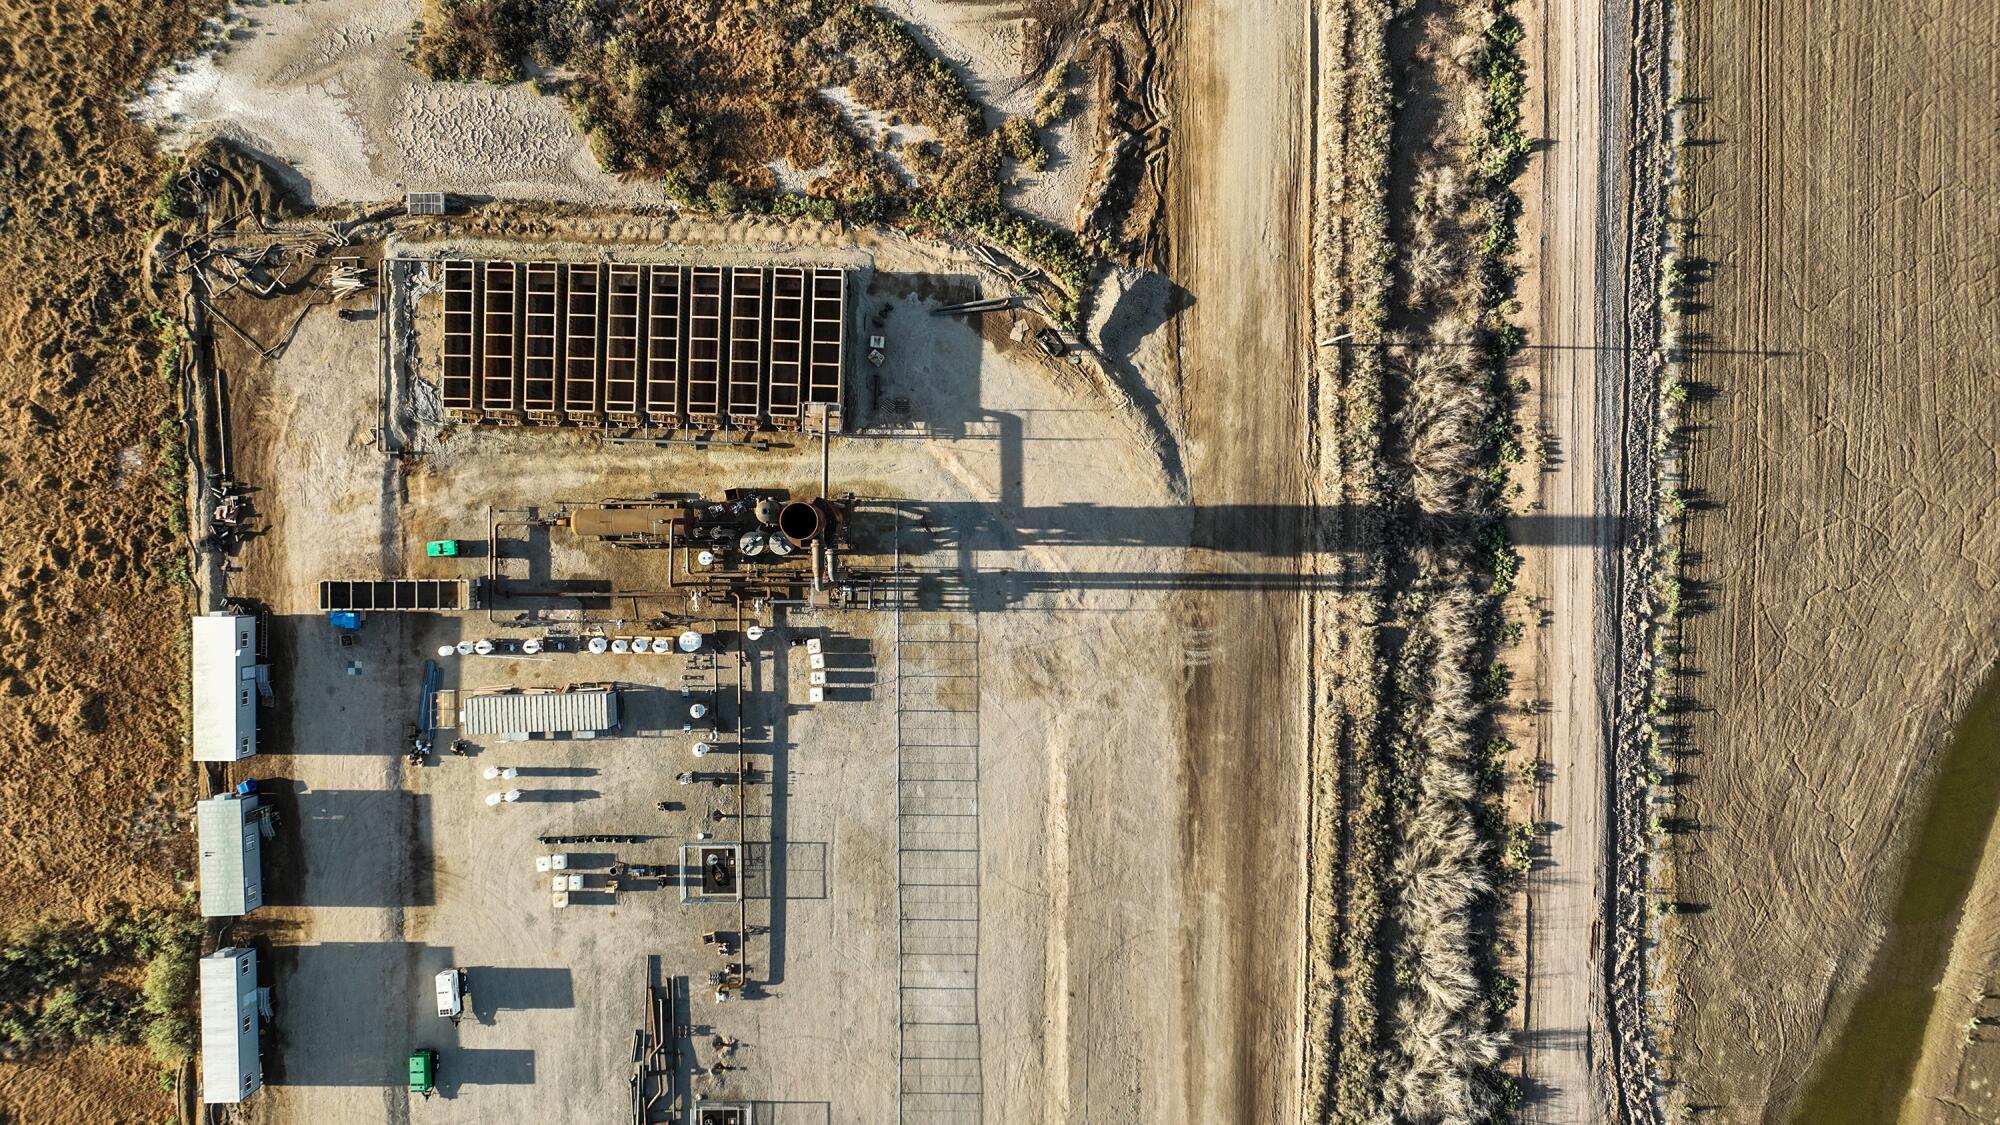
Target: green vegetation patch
pixel 124 980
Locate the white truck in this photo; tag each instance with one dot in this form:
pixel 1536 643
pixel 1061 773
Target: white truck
pixel 451 989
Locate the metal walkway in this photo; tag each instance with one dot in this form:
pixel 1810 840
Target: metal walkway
pixel 937 867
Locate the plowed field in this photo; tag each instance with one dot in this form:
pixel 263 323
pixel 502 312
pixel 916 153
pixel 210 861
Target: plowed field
pixel 1846 540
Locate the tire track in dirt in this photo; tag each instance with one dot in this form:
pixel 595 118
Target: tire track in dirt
pixel 1236 238
pixel 1847 547
pixel 1567 1047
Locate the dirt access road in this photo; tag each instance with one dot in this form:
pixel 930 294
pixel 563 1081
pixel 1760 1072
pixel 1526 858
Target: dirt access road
pixel 1574 197
pixel 1237 243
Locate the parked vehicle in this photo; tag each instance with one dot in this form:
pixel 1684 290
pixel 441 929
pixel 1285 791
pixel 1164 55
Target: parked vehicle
pixel 423 1071
pixel 451 989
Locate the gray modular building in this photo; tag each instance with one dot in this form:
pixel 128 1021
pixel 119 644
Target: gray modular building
pixel 225 687
pixel 231 1065
pixel 232 855
pixel 526 714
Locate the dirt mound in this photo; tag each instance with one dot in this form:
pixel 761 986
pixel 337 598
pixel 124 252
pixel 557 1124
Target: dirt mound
pixel 234 184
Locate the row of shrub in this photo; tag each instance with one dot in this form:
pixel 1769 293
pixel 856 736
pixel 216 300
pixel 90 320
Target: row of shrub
pixel 1434 835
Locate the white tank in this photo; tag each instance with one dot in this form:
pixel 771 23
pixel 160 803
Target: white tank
pixel 599 644
pixel 642 644
pixel 754 632
pixel 465 648
pixel 690 641
pixel 511 796
pixel 706 558
pixel 447 650
pixel 778 546
pixel 752 544
pixel 532 645
pixel 701 749
pixel 621 646
pixel 483 648
pixel 699 710
pixel 493 799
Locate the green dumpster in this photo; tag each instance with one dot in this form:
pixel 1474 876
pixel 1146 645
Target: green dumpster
pixel 442 548
pixel 423 1071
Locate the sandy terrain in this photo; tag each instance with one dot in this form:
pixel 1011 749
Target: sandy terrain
pixel 323 87
pixel 986 45
pixel 1847 548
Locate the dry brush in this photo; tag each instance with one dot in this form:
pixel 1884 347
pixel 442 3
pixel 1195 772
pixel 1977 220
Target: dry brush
pixel 1412 862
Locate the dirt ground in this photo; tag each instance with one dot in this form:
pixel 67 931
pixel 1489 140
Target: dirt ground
pixel 325 88
pixel 1234 238
pixel 1844 540
pixel 90 636
pixel 1568 572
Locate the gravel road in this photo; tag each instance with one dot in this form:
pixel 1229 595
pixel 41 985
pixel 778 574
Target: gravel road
pixel 1574 190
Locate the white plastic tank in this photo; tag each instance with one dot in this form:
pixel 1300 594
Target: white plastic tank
pixel 699 710
pixel 706 558
pixel 754 632
pixel 447 650
pixel 778 546
pixel 752 544
pixel 507 772
pixel 642 644
pixel 511 796
pixel 493 799
pixel 599 644
pixel 483 647
pixel 532 645
pixel 465 648
pixel 621 646
pixel 690 641
pixel 701 749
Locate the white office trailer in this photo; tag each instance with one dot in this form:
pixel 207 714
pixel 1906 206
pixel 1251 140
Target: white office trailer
pixel 232 855
pixel 225 687
pixel 231 1068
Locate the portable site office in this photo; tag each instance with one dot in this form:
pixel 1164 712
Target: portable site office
pixel 225 669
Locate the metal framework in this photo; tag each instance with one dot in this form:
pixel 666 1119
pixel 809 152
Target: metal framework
pixel 829 339
pixel 621 344
pixel 787 384
pixel 580 351
pixel 460 336
pixel 498 326
pixel 395 594
pixel 540 339
pixel 746 346
pixel 704 354
pixel 664 293
pixel 696 347
pixel 937 868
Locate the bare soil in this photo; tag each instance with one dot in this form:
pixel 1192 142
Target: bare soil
pixel 92 814
pixel 1845 547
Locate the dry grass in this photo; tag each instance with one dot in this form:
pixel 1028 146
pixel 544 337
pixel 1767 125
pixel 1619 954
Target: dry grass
pixel 90 662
